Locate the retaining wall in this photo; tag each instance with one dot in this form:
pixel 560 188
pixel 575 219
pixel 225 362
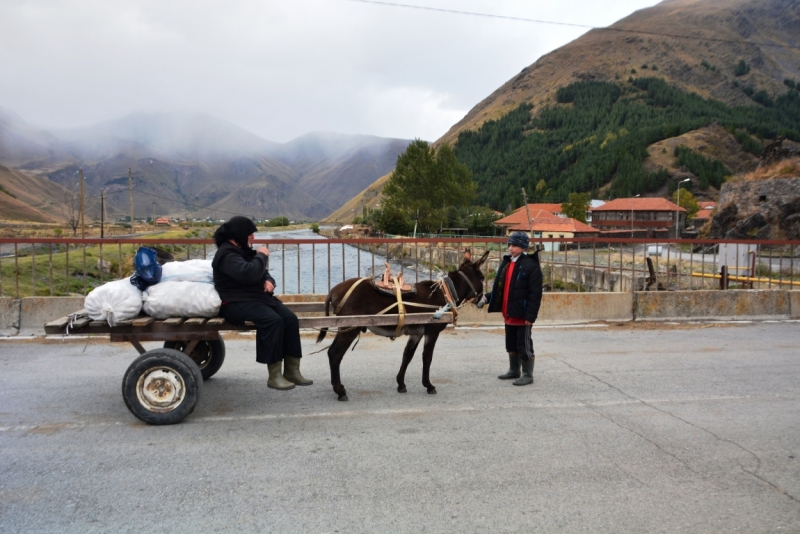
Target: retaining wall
pixel 27 316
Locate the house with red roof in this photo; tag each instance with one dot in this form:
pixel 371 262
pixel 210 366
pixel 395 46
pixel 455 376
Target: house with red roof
pixel 650 216
pixel 520 215
pixel 704 215
pixel 544 224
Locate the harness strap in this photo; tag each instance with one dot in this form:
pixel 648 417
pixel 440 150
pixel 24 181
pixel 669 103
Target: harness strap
pixel 466 279
pixel 401 310
pixel 347 295
pixel 449 290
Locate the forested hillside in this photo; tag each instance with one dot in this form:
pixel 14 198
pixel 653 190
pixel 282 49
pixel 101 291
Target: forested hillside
pixel 598 132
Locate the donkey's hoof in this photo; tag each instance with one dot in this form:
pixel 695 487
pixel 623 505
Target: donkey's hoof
pixel 402 389
pixel 343 398
pixel 431 391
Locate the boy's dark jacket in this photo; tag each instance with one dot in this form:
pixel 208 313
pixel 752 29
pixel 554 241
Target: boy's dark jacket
pixel 525 295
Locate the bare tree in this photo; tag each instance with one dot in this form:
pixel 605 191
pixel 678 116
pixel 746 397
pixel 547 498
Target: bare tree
pixel 72 201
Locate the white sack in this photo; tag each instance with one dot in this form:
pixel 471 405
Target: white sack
pixel 187 271
pixel 113 302
pixel 181 299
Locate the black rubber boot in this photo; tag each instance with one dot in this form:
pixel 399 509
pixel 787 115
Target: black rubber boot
pixel 527 374
pixel 513 367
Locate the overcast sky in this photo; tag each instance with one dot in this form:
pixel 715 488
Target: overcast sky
pixel 277 68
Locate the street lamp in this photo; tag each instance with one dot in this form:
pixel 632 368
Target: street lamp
pixel 677 211
pixel 632 203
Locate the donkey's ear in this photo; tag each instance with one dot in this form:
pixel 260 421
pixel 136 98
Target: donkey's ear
pixel 483 258
pixel 467 255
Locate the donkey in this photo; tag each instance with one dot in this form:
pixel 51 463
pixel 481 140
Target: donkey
pixel 366 300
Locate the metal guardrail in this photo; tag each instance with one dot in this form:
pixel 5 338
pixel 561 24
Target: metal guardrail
pixel 65 266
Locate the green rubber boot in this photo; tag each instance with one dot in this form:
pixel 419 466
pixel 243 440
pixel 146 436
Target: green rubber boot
pixel 513 367
pixel 291 372
pixel 276 380
pixel 527 374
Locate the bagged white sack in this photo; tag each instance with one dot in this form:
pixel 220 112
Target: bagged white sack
pixel 113 302
pixel 181 299
pixel 187 271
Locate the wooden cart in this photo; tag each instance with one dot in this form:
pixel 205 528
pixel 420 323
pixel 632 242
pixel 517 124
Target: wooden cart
pixel 162 385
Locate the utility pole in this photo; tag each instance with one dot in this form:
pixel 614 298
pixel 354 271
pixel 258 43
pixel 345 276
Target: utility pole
pixel 154 215
pixel 102 213
pixel 527 211
pixel 130 194
pixel 83 226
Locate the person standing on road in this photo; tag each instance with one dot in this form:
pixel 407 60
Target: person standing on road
pixel 247 292
pixel 517 293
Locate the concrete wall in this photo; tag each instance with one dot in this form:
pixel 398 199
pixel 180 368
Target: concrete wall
pixel 27 316
pixel 739 304
pixel 9 316
pixel 563 308
pixel 36 311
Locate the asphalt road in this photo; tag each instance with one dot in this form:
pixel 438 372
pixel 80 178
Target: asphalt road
pixel 691 428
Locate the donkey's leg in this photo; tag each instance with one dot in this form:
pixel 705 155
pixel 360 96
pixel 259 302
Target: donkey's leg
pixel 408 355
pixel 336 351
pixel 431 335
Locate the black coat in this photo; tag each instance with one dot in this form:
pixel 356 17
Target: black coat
pixel 525 293
pixel 240 276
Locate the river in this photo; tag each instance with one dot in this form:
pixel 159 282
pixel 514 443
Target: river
pixel 317 273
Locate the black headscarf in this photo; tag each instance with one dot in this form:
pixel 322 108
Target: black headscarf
pixel 237 228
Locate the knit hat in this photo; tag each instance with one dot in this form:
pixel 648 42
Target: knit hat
pixel 519 239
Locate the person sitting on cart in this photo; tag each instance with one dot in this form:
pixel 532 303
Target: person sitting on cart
pixel 247 292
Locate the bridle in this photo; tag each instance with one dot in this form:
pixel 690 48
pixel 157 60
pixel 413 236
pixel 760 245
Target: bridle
pixel 475 293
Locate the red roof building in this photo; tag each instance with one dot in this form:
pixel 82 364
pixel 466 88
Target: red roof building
pixel 545 225
pixel 702 216
pixel 653 215
pixel 520 215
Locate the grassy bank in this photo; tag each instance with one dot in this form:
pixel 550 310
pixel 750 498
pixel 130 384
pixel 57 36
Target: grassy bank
pixel 58 270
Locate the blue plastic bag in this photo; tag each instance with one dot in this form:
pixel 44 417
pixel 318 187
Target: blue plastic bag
pixel 148 270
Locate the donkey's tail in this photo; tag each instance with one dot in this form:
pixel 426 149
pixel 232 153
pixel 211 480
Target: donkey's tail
pixel 323 331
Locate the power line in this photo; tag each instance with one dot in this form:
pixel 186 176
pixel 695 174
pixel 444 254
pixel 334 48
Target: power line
pixel 557 23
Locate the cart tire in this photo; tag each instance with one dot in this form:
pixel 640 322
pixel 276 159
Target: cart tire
pixel 208 354
pixel 161 387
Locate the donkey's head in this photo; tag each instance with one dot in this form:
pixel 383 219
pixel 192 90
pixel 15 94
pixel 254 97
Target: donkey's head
pixel 471 273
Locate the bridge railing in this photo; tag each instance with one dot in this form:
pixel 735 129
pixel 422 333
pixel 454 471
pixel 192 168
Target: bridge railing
pixel 64 266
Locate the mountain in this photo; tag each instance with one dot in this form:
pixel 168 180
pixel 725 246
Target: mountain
pixel 722 33
pixel 22 143
pixel 190 136
pixel 196 165
pixel 32 198
pixel 589 116
pixel 351 161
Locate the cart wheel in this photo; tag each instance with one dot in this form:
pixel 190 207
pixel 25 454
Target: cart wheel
pixel 207 354
pixel 161 386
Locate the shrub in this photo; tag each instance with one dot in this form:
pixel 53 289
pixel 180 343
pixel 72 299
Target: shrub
pixel 742 68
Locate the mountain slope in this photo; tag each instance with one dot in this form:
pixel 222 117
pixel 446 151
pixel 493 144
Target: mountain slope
pixel 608 55
pixel 578 118
pixel 22 143
pixel 195 165
pixel 24 197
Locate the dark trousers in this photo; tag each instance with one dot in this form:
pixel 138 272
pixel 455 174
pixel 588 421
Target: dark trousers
pixel 277 328
pixel 518 339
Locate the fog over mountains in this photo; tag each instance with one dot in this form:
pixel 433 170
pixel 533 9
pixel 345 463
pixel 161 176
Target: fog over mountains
pixel 197 165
